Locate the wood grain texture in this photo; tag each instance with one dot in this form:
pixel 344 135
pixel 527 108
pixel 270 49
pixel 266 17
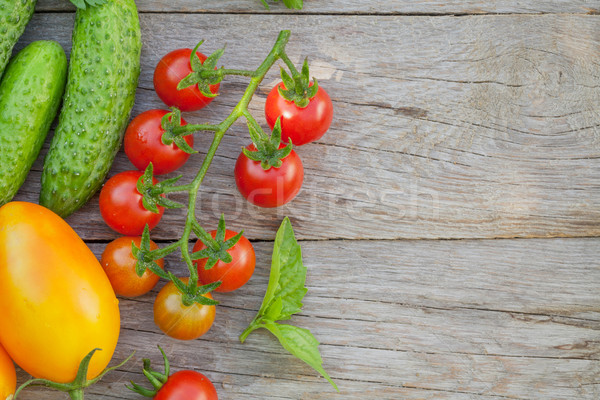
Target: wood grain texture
pixel 470 127
pixel 491 319
pixel 429 7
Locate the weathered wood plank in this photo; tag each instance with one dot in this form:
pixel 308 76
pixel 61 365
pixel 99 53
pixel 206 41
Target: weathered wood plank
pixel 430 7
pixel 445 128
pixel 492 319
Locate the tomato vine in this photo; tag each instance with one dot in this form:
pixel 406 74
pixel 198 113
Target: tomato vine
pixel 269 151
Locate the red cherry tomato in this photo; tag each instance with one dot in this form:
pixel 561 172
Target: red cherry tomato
pixel 121 205
pixel 187 385
pixel 233 275
pixel 301 125
pixel 119 264
pixel 269 188
pixel 143 144
pixel 178 320
pixel 171 69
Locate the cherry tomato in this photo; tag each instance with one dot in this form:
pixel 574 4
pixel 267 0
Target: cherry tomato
pixel 187 385
pixel 269 188
pixel 121 205
pixel 301 125
pixel 57 304
pixel 180 321
pixel 233 275
pixel 171 69
pixel 8 375
pixel 119 264
pixel 143 144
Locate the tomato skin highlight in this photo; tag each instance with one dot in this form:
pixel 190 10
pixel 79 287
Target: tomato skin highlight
pixel 118 263
pixel 143 144
pixel 233 275
pixel 122 208
pixel 8 375
pixel 187 385
pixel 171 69
pixel 269 188
pixel 301 125
pixel 57 304
pixel 179 321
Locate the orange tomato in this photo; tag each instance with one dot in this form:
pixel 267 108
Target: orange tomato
pixel 119 264
pixel 8 376
pixel 57 304
pixel 178 320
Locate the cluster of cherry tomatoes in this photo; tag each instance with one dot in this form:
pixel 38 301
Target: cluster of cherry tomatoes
pixel 122 208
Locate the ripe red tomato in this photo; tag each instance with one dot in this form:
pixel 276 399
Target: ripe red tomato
pixel 121 205
pixel 180 321
pixel 233 275
pixel 171 69
pixel 143 144
pixel 119 264
pixel 269 188
pixel 301 125
pixel 187 385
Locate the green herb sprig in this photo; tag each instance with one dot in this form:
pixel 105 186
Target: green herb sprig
pixel 284 298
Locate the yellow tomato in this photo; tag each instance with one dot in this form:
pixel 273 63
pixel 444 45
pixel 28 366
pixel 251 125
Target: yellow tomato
pixel 8 376
pixel 57 304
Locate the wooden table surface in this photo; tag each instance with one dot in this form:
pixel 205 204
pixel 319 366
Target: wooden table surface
pixel 449 219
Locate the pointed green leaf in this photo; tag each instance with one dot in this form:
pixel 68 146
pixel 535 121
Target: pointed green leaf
pixel 295 4
pixel 220 236
pixel 212 60
pixel 302 344
pixel 312 90
pixel 288 82
pixel 211 262
pixel 305 73
pixel 167 203
pixel 276 134
pixel 198 255
pixel 188 81
pixel 253 155
pixel 232 241
pixel 288 274
pixel 183 145
pixel 178 283
pixel 150 204
pixel 207 288
pixel 205 301
pixel 195 62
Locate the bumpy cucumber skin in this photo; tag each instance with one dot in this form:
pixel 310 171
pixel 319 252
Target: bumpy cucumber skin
pixel 30 94
pixel 14 16
pixel 103 75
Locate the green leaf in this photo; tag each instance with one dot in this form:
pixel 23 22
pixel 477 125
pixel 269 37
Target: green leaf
pixel 296 4
pixel 302 344
pixel 288 274
pixel 284 297
pixel 288 82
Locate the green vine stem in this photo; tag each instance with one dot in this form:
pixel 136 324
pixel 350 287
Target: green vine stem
pixel 74 388
pixel 145 256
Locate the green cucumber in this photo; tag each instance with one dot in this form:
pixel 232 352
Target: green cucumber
pixel 103 74
pixel 30 93
pixel 14 16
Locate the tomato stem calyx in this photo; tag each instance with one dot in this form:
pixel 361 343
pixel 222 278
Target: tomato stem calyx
pixel 216 249
pixel 268 150
pixel 153 193
pixel 297 88
pixel 156 378
pixel 74 388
